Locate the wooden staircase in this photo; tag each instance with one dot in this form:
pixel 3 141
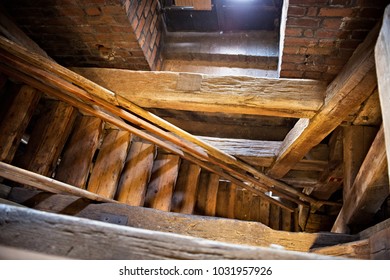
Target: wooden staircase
pixel 54 139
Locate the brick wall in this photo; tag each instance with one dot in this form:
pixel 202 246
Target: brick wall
pixel 321 35
pixel 102 33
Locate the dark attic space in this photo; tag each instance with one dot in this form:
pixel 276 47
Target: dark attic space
pixel 205 123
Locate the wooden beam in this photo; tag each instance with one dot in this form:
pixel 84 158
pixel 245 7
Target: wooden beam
pixel 349 89
pixel 49 233
pixel 195 92
pixel 382 58
pixel 212 228
pixel 355 250
pixel 369 190
pixel 44 183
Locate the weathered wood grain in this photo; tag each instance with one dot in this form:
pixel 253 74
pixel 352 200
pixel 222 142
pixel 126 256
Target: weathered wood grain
pixel 109 163
pixel 136 173
pixel 382 56
pixel 370 113
pixel 14 123
pixel 219 229
pixel 84 239
pixel 48 138
pixel 76 160
pixel 211 198
pixel 241 95
pixel 185 193
pixel 355 250
pixel 369 190
pixel 350 88
pixel 162 183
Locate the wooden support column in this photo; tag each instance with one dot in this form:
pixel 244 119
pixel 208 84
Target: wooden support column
pixel 211 198
pixel 48 138
pixel 382 58
pixel 77 157
pixel 109 163
pixel 369 190
pixel 357 142
pixel 162 182
pixel 350 88
pixel 136 173
pixel 184 196
pixel 15 121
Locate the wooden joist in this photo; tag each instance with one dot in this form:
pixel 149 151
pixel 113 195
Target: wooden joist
pixel 162 182
pixel 356 250
pixel 382 58
pixel 15 121
pixel 350 88
pixel 184 196
pixel 212 228
pixel 76 160
pixel 50 233
pixel 48 138
pixel 211 197
pixel 136 173
pixel 195 92
pixel 369 190
pixel 109 163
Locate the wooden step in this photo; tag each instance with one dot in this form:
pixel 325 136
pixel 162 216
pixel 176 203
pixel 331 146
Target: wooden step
pixel 109 163
pixel 207 194
pixel 15 120
pixel 48 138
pixel 162 182
pixel 184 196
pixel 78 153
pixel 136 173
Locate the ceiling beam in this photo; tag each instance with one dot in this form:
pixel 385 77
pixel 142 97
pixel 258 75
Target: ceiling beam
pixel 202 93
pixel 369 190
pixel 382 58
pixel 349 89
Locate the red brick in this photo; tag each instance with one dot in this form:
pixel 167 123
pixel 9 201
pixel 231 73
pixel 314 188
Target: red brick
pixel 312 75
pixel 141 8
pixel 331 23
pixel 312 11
pixel 140 27
pixel 153 7
pixel 336 12
pixel 113 10
pixel 327 43
pixel 303 22
pixel 72 11
pixel 147 24
pixel 321 51
pixel 325 33
pixel 289 66
pixel 293 58
pixel 308 33
pixel 300 41
pixel 92 11
pixel 102 28
pixel 153 39
pixel 293 32
pixel 296 11
pixel 290 74
pixel 291 50
pixel 364 24
pixel 147 9
pixel 155 17
pixel 308 2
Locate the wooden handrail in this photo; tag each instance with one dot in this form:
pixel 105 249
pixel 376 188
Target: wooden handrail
pixel 95 94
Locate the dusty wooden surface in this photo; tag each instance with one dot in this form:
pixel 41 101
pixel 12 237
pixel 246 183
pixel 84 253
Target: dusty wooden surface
pixel 219 229
pixel 194 92
pixel 356 250
pixel 85 239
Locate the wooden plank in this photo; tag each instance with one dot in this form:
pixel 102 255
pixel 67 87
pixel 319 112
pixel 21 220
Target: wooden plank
pixel 200 205
pixel 355 250
pixel 78 153
pixel 49 233
pixel 136 173
pixel 212 191
pixel 222 200
pixel 14 123
pixel 162 183
pixel 382 55
pixel 369 190
pixel 356 143
pixel 287 220
pixel 264 212
pixel 231 200
pixel 350 88
pixel 241 95
pixel 48 138
pixel 254 211
pixel 9 253
pixel 106 172
pixel 380 245
pixel 248 233
pixel 274 217
pixel 184 196
pixel 44 183
pixel 371 113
